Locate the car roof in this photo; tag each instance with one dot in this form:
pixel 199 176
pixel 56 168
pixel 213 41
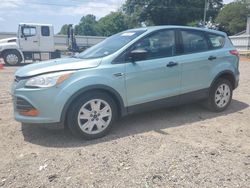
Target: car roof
pixel 36 24
pixel 155 28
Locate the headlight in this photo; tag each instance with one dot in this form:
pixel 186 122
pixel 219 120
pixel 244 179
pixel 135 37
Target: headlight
pixel 48 80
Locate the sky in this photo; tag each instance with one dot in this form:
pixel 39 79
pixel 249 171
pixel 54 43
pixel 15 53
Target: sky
pixel 56 12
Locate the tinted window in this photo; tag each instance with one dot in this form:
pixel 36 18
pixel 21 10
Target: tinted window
pixel 28 31
pixel 45 31
pixel 111 44
pixel 194 41
pixel 216 41
pixel 158 45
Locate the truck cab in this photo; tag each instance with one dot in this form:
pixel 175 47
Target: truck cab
pixel 36 37
pixel 33 42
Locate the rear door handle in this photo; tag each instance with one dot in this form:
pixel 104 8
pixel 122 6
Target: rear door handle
pixel 172 64
pixel 35 41
pixel 211 58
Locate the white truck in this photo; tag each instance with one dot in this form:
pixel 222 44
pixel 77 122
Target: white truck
pixel 34 42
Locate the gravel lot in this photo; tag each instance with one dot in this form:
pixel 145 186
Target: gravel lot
pixel 185 146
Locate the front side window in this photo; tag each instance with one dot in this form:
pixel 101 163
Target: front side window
pixel 216 41
pixel 28 31
pixel 111 44
pixel 158 45
pixel 45 31
pixel 193 41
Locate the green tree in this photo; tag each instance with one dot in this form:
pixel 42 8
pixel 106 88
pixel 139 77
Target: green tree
pixel 232 18
pixel 112 23
pixel 87 26
pixel 64 30
pixel 164 12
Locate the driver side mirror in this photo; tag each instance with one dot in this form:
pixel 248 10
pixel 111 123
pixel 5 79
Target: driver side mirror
pixel 23 36
pixel 23 33
pixel 138 55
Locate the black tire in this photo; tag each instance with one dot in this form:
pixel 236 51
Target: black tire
pixel 12 52
pixel 72 116
pixel 210 103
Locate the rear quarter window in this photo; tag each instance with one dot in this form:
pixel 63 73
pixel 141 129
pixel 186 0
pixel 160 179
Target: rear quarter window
pixel 216 41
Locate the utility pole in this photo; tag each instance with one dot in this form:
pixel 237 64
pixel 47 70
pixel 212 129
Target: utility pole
pixel 205 13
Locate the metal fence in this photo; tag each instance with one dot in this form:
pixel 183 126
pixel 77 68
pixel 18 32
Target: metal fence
pixel 61 40
pixel 241 42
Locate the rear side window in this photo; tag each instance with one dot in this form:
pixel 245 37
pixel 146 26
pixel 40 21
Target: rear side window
pixel 45 31
pixel 193 41
pixel 216 41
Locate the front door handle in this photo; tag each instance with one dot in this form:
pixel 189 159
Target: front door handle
pixel 119 74
pixel 35 41
pixel 211 58
pixel 172 64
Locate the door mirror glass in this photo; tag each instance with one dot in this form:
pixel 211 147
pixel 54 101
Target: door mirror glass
pixel 138 55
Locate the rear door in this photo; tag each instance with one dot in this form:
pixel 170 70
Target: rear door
pixel 195 61
pixel 154 78
pixel 46 39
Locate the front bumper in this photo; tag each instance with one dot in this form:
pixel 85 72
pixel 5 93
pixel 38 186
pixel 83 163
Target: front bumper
pixel 48 101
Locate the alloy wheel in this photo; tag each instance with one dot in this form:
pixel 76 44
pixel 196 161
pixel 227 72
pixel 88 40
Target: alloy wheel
pixel 222 95
pixel 12 59
pixel 94 116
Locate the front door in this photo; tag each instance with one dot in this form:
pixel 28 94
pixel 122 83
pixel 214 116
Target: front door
pixel 29 38
pixel 158 76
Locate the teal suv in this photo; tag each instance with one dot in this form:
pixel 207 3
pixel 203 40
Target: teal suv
pixel 135 70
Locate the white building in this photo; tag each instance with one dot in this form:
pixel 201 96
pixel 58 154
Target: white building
pixel 242 40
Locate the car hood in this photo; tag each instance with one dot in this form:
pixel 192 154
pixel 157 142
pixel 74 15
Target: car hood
pixel 6 40
pixel 63 64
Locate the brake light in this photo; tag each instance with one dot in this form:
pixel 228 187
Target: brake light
pixel 234 52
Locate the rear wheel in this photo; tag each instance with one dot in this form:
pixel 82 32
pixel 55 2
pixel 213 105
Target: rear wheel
pixel 220 95
pixel 12 57
pixel 92 115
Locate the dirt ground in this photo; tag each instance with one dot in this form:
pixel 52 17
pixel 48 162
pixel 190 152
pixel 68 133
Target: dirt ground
pixel 185 146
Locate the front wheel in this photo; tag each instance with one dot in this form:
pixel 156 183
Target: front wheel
pixel 92 115
pixel 12 57
pixel 220 95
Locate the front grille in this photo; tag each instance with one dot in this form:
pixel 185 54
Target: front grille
pixel 23 105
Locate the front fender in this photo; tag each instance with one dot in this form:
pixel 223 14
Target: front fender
pixel 10 46
pixel 82 81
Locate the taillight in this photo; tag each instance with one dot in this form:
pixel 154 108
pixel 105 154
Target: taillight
pixel 234 52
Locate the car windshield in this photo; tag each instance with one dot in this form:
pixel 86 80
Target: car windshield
pixel 110 45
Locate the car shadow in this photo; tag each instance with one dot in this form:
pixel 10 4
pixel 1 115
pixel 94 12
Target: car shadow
pixel 130 125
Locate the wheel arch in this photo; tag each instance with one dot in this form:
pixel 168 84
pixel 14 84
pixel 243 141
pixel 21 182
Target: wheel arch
pixel 122 111
pixel 17 50
pixel 227 74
